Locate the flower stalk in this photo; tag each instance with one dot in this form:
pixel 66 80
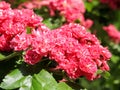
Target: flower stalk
pixel 14 54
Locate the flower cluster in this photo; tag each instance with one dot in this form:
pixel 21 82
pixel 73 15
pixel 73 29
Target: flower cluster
pixel 75 50
pixel 113 33
pixel 34 4
pixel 78 52
pixel 15 22
pixel 114 4
pixel 72 10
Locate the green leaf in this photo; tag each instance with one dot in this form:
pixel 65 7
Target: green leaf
pixel 106 75
pixel 99 71
pixel 83 89
pixel 115 59
pixel 46 80
pixel 36 85
pixel 29 30
pixel 54 23
pixel 26 84
pixel 63 86
pixel 41 81
pixel 1 56
pixel 89 6
pixel 12 80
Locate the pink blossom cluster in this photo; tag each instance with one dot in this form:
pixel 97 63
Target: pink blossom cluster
pixel 114 4
pixel 34 4
pixel 78 52
pixel 75 50
pixel 15 22
pixel 113 33
pixel 72 10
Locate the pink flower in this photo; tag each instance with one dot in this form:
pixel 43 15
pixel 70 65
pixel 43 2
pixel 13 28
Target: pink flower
pixel 34 4
pixel 4 5
pixel 21 42
pixel 71 9
pixel 104 66
pixel 4 43
pixel 41 40
pixel 87 23
pixel 113 33
pixel 31 57
pixel 13 22
pixel 75 50
pixel 78 52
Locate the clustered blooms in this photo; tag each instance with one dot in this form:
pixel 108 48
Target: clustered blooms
pixel 34 4
pixel 114 4
pixel 78 52
pixel 72 10
pixel 113 33
pixel 75 50
pixel 15 22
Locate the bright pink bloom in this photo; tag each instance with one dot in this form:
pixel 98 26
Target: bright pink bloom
pixel 113 33
pixel 76 51
pixel 14 22
pixel 4 43
pixel 34 4
pixel 76 54
pixel 4 5
pixel 87 23
pixel 31 57
pixel 21 42
pixel 71 9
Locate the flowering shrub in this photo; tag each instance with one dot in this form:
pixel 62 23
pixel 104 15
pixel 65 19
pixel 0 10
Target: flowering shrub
pixel 58 36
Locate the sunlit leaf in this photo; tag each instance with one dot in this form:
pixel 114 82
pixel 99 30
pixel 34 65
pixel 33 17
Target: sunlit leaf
pixel 63 86
pixel 26 84
pixel 46 79
pixel 12 80
pixel 106 75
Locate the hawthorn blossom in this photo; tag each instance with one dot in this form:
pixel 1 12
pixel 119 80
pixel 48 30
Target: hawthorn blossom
pixel 31 57
pixel 14 22
pixel 21 41
pixel 34 4
pixel 4 44
pixel 72 10
pixel 74 54
pixel 113 33
pixel 4 5
pixel 75 50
